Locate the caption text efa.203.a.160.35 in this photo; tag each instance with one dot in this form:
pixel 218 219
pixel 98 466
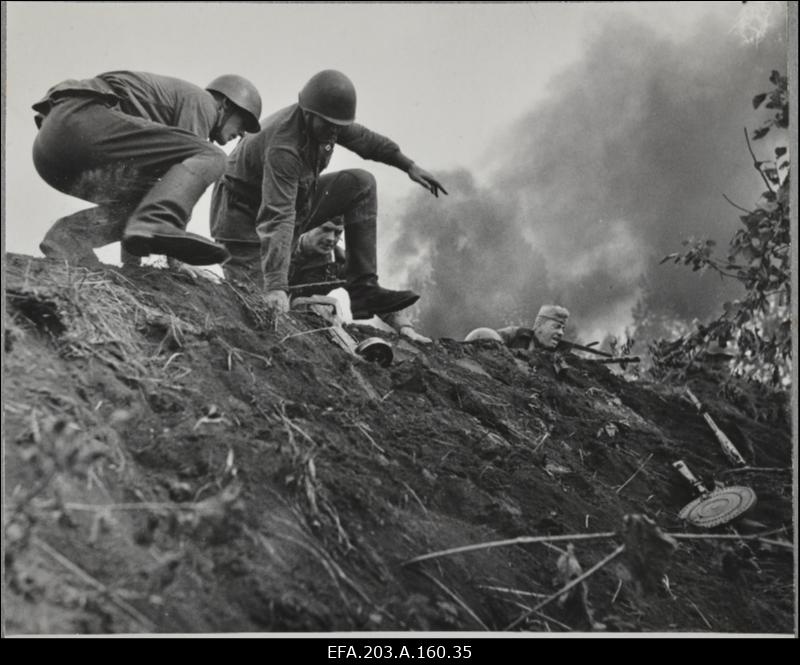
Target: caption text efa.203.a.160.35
pixel 419 651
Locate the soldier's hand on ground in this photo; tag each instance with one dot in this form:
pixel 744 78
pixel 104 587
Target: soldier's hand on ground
pixel 409 333
pixel 420 175
pixel 277 302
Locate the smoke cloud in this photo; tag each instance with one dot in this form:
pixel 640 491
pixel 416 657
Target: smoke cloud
pixel 630 155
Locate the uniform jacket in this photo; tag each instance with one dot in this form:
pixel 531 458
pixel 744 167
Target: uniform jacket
pixel 163 99
pixel 517 337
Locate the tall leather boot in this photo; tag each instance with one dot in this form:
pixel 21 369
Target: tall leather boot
pixel 157 225
pixel 72 238
pixel 360 237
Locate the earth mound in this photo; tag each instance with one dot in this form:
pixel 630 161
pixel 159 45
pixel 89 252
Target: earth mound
pixel 176 462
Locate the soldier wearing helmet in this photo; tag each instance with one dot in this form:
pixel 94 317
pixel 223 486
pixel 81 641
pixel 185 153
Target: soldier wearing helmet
pixel 273 192
pixel 547 331
pixel 137 145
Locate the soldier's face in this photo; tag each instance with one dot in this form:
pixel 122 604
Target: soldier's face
pixel 549 333
pixel 323 239
pixel 323 131
pixel 231 127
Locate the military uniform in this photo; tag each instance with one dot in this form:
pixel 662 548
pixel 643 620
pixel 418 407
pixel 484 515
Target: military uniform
pixel 272 192
pixel 134 143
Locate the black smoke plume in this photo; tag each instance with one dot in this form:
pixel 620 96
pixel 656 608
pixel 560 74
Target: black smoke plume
pixel 630 154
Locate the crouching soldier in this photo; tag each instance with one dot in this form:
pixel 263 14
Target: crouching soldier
pixel 318 265
pixel 272 193
pixel 547 331
pixel 137 145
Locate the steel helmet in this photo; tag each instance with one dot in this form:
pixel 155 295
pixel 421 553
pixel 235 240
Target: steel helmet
pixel 330 95
pixel 483 333
pixel 242 93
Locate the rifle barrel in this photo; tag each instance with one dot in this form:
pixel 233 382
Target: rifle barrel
pixel 614 361
pixel 332 284
pixel 581 347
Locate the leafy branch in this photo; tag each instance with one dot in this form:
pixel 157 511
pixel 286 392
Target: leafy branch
pixel 759 257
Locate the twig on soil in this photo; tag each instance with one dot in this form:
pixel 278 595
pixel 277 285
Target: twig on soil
pixel 455 597
pixel 305 332
pixel 360 427
pixel 414 494
pixel 764 469
pixel 234 352
pixel 128 609
pixel 290 426
pixel 516 592
pixel 288 422
pixel 702 616
pixel 616 593
pixel 322 559
pixel 554 548
pixel 522 540
pixel 569 586
pixel 541 443
pixel 778 543
pixel 722 536
pixel 341 533
pixel 545 617
pixel 324 555
pixel 621 487
pixel 170 359
pixel 90 507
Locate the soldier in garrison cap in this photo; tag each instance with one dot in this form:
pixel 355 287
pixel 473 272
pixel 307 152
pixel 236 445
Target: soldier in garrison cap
pixel 547 331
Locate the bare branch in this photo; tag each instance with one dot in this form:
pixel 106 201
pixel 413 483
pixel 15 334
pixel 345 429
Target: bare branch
pixel 513 541
pixel 569 586
pixel 756 163
pixel 738 207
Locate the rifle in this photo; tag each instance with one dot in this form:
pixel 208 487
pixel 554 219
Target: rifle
pixel 622 360
pixel 333 284
pixel 607 359
pixel 581 347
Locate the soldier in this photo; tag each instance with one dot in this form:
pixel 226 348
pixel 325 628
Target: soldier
pixel 319 261
pixel 137 145
pixel 272 192
pixel 547 331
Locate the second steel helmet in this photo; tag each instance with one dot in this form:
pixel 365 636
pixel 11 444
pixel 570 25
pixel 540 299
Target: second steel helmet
pixel 330 95
pixel 242 93
pixel 483 333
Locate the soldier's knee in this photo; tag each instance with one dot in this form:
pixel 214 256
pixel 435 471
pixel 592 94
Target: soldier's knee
pixel 49 248
pixel 364 179
pixel 58 236
pixel 209 163
pixel 217 163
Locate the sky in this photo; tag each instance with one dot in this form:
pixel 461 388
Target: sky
pixel 580 142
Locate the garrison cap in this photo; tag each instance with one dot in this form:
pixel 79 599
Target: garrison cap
pixel 554 313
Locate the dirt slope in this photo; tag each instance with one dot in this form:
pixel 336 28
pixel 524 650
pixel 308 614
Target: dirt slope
pixel 176 464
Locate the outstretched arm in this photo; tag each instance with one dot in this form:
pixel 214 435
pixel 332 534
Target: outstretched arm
pixel 424 178
pixel 371 145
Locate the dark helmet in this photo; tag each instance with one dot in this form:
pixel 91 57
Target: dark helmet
pixel 242 93
pixel 483 333
pixel 330 95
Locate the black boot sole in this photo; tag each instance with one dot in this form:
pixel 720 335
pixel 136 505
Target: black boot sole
pixel 194 250
pixel 396 306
